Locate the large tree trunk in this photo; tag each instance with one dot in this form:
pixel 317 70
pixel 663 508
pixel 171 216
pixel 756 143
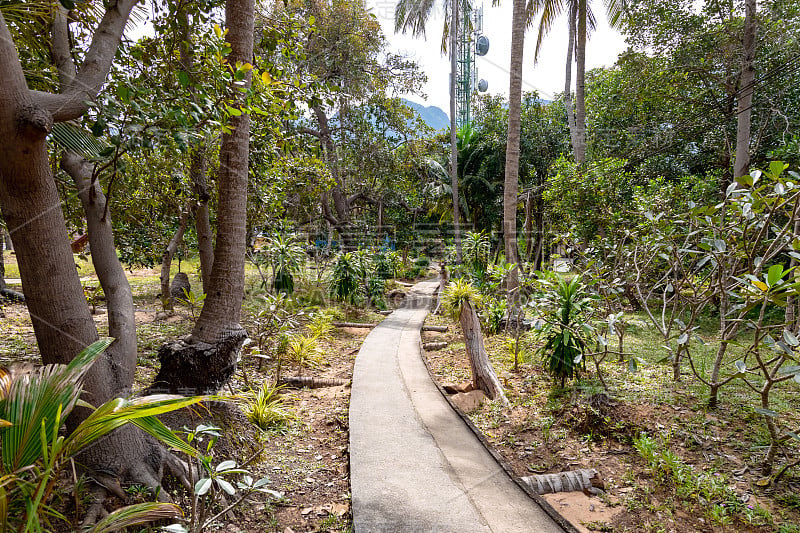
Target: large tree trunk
pixel 580 87
pixel 745 100
pixel 30 204
pixel 483 375
pixel 573 133
pixel 454 5
pixel 511 183
pixel 202 219
pixel 206 361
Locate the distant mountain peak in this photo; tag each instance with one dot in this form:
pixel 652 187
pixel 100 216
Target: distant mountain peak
pixel 432 116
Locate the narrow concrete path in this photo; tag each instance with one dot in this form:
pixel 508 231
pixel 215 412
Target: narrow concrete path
pixel 414 465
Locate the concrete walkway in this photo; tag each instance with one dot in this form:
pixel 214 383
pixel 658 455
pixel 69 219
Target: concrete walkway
pixel 414 465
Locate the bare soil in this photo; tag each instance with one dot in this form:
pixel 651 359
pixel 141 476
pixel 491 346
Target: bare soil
pixel 546 433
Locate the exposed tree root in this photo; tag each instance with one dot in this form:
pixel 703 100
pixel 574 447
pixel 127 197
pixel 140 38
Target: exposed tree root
pixel 312 382
pixel 194 367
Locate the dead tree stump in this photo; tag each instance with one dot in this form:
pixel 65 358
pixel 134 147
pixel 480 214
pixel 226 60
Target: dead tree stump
pixel 180 283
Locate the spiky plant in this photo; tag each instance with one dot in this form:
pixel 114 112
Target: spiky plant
pixel 267 407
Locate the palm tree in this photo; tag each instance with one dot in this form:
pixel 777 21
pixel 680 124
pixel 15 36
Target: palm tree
pixel 412 15
pixel 511 182
pixel 581 21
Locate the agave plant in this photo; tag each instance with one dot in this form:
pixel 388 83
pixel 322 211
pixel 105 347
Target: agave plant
pixel 32 452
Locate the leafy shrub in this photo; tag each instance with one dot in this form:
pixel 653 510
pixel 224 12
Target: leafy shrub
pixel 346 278
pixel 303 351
pixel 34 452
pixel 386 264
pixel 565 307
pixel 422 262
pixel 493 313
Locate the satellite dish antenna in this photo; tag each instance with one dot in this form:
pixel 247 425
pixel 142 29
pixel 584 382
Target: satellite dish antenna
pixel 482 45
pixel 483 85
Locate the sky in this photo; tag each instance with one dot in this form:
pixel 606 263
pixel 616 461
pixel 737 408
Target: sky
pixel 547 76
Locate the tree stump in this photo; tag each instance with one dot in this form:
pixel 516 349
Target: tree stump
pixel 191 368
pixel 180 283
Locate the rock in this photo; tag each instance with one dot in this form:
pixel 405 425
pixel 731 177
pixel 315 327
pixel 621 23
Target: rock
pixel 467 386
pixel 180 283
pixel 468 401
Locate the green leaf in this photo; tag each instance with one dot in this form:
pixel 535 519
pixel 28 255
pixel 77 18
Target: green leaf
pixel 740 366
pixel 136 514
pixel 202 486
pixel 683 339
pixel 790 339
pixel 226 465
pixel 227 487
pixel 774 274
pixel 183 78
pixel 633 367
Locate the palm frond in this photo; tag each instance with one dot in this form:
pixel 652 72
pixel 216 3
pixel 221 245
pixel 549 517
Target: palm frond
pixel 39 400
pixel 139 513
pixel 74 138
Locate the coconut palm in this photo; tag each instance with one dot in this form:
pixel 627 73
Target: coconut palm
pixel 412 15
pixel 581 21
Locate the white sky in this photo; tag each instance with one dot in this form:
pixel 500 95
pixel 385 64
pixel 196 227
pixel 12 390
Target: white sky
pixel 547 76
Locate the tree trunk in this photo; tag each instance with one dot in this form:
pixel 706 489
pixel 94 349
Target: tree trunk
pixel 580 87
pixel 511 182
pixel 483 375
pixel 202 222
pixel 573 133
pixel 166 259
pixel 538 258
pixel 454 4
pixel 206 361
pixel 528 227
pixel 117 290
pixel 745 100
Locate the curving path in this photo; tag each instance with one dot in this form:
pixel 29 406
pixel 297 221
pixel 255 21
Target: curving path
pixel 414 465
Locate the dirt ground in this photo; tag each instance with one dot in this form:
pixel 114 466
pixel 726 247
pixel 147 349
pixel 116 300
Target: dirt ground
pixel 543 434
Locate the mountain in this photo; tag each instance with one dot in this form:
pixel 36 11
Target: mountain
pixel 431 115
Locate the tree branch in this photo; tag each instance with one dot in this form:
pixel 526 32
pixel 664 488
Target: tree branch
pixel 89 80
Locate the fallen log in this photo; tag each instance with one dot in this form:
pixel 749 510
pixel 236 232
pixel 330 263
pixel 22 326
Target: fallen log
pixel 311 382
pixel 440 329
pixel 583 480
pixel 430 346
pixel 353 325
pixel 386 312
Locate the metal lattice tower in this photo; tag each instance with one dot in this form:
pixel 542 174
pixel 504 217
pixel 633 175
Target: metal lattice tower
pixel 469 32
